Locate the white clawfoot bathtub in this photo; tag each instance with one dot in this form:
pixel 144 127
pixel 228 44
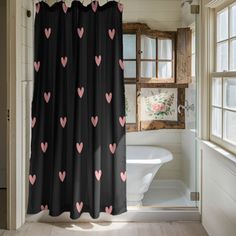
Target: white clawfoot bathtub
pixel 143 162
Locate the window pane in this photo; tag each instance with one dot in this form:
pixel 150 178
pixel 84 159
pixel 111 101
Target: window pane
pixel 216 121
pixel 230 93
pixel 164 49
pixel 217 92
pixel 230 126
pixel 222 25
pixel 233 20
pixel 148 47
pixel 222 56
pixel 129 46
pixel 130 103
pixel 164 70
pixel 233 55
pixel 148 69
pixel 130 69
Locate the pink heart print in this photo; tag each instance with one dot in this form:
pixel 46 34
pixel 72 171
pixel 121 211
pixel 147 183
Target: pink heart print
pixel 121 63
pixel 80 92
pixel 111 33
pixel 44 207
pixel 123 176
pixel 37 7
pixel 36 65
pixel 63 121
pixel 79 206
pixel 44 147
pixel 33 122
pixel 108 97
pixel 32 179
pixel 120 7
pixel 64 7
pixel 98 174
pixel 122 120
pixel 47 32
pixel 80 32
pixel 108 210
pixel 98 60
pixel 47 96
pixel 64 61
pixel 79 147
pixel 94 5
pixel 94 120
pixel 112 148
pixel 62 176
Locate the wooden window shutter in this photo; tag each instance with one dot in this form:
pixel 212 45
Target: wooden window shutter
pixel 183 56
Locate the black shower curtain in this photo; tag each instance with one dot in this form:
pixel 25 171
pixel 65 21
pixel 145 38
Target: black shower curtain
pixel 78 158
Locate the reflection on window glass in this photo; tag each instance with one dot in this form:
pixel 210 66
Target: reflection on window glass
pixel 148 69
pixel 148 47
pixel 129 46
pixel 233 20
pixel 216 121
pixel 222 25
pixel 217 92
pixel 130 69
pixel 233 54
pixel 164 49
pixel 222 56
pixel 230 126
pixel 230 93
pixel 164 70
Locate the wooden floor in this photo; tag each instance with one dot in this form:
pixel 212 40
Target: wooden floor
pixel 110 229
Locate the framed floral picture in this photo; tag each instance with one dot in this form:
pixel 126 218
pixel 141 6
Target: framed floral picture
pixel 159 104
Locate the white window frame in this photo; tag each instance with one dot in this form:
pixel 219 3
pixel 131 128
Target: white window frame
pixel 225 74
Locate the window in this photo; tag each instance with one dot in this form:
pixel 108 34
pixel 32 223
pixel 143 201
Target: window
pixel 223 80
pixel 152 89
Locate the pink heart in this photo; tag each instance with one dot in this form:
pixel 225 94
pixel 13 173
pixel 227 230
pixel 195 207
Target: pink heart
pixel 44 146
pixel 94 120
pixel 47 32
pixel 98 60
pixel 111 33
pixel 121 64
pixel 64 61
pixel 62 176
pixel 79 147
pixel 94 5
pixel 65 8
pixel 112 148
pixel 32 179
pixel 122 121
pixel 47 97
pixel 123 176
pixel 120 7
pixel 80 32
pixel 79 206
pixel 108 97
pixel 37 7
pixel 33 121
pixel 80 92
pixel 98 174
pixel 36 66
pixel 44 207
pixel 63 121
pixel 108 210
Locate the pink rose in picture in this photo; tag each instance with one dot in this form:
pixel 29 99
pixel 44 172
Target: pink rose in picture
pixel 158 107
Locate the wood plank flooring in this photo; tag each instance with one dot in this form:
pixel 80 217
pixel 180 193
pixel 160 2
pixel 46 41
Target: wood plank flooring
pixel 110 229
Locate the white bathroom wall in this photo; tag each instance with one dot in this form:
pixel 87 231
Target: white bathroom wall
pixel 218 191
pixel 3 95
